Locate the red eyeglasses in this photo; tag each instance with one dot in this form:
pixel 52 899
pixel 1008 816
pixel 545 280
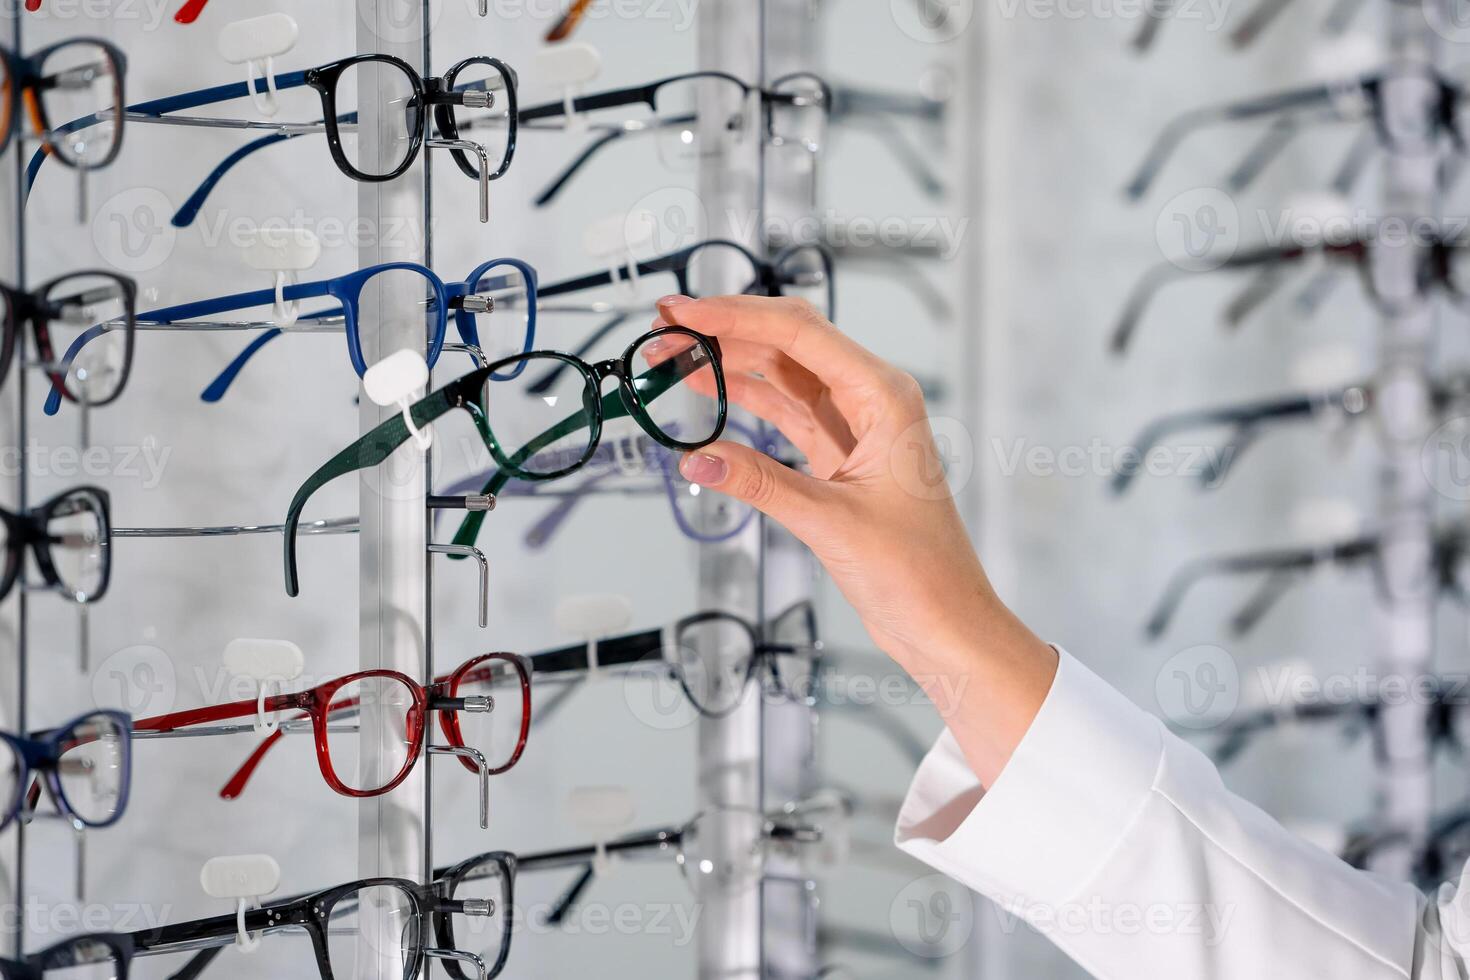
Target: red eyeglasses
pixel 369 726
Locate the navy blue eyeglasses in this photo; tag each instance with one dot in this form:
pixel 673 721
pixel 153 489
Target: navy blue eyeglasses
pixel 86 766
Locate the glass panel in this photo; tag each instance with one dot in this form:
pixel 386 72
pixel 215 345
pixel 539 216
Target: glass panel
pixel 81 80
pixel 677 387
pixel 713 659
pixel 372 731
pixel 96 375
pixel 93 769
pixel 374 931
pixel 699 118
pixel 493 733
pixel 78 547
pixel 541 420
pixel 398 124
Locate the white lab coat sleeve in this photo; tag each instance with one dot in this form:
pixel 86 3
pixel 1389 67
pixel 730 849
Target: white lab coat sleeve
pixel 1119 842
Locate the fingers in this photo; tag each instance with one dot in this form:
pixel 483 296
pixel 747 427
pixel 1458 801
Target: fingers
pixel 794 499
pixel 791 326
pixel 794 421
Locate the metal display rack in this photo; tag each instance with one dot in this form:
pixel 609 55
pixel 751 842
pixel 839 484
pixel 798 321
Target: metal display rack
pixel 757 757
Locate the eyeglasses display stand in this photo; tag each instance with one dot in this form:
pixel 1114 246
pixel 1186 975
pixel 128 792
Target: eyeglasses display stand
pixel 1405 792
pixel 759 757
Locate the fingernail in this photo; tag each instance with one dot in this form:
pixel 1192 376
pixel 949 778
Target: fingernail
pixel 704 469
pixel 675 300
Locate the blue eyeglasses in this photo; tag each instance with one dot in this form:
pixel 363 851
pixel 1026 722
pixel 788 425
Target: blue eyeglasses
pixel 506 286
pixel 86 764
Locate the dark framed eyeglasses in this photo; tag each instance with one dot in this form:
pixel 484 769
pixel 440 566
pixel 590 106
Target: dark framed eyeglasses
pixel 813 832
pixel 1282 567
pixel 84 765
pixel 1439 99
pixel 385 709
pixel 382 926
pixel 70 537
pixel 1443 263
pixel 670 401
pixel 1245 423
pixel 62 310
pixel 714 656
pixel 99 955
pixel 74 79
pixel 498 295
pixel 412 104
pixel 693 116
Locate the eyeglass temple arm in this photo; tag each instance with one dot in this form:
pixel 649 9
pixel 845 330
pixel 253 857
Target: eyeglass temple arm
pixel 539 534
pixel 188 212
pixel 1155 14
pixel 368 451
pixel 1244 419
pixel 1174 133
pixel 172 103
pixel 1166 272
pixel 568 22
pixel 657 381
pixel 1196 571
pixel 183 311
pixel 1256 20
pixel 601 142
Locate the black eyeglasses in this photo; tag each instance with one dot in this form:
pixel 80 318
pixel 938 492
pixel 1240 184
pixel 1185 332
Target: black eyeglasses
pixel 404 122
pixel 398 132
pixel 670 401
pixel 386 921
pixel 804 271
pixel 1444 263
pixel 696 115
pixel 99 955
pixel 813 832
pixel 58 313
pixel 75 79
pixel 714 656
pixel 1439 99
pixel 1284 566
pixel 70 536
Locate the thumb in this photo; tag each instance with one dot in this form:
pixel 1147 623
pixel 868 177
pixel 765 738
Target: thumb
pixel 750 476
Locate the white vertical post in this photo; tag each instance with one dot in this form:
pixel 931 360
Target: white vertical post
pixel 394 608
pixel 729 748
pixel 1406 613
pixel 789 910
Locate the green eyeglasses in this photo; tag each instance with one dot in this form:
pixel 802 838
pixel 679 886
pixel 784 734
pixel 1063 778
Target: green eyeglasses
pixel 541 431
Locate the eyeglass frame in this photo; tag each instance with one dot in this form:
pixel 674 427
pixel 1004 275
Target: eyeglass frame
pixel 28 530
pixel 40 756
pixel 316 703
pixel 25 75
pixel 647 95
pixel 347 290
pixel 323 79
pixel 465 392
pixel 35 308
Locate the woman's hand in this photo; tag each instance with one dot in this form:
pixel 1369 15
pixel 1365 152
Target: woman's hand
pixel 875 511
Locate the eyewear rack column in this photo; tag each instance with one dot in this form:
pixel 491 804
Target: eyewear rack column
pixel 1406 613
pixel 730 748
pixel 13 862
pixel 394 630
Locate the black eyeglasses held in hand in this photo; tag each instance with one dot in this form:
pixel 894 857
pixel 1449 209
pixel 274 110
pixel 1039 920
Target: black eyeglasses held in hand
pixel 670 401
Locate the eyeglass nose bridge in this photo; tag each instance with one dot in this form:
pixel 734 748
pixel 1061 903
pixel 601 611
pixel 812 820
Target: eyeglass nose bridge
pixel 611 368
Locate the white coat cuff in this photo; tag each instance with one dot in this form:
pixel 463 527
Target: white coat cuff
pixel 1067 797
